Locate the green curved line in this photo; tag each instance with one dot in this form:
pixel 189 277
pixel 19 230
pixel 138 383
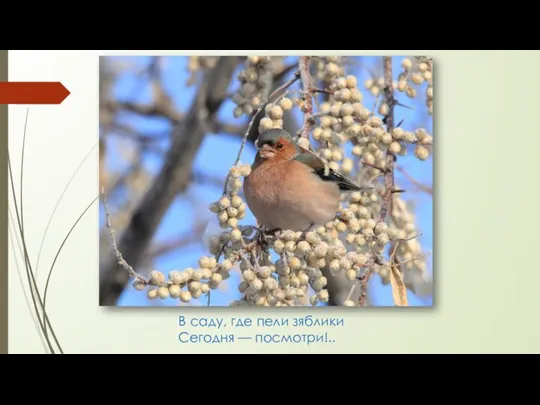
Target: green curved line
pixel 45 321
pixel 60 249
pixel 22 165
pixel 57 204
pixel 29 274
pixel 17 242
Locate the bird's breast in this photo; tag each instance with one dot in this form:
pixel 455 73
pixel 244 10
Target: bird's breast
pixel 289 197
pixel 263 186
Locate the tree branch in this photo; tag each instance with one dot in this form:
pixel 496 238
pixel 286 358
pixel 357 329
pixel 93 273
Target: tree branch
pixel 388 196
pixel 173 178
pixel 148 110
pixel 307 87
pixel 422 187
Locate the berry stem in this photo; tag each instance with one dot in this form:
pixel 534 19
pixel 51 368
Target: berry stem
pixel 388 196
pixel 305 76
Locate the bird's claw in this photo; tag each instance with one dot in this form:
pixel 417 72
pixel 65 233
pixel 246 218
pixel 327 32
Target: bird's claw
pixel 272 231
pixel 303 234
pixel 261 237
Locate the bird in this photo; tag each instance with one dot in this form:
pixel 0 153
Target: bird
pixel 291 188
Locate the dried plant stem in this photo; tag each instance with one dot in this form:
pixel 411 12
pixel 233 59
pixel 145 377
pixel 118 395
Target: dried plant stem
pixel 305 76
pixel 388 196
pixel 414 258
pixel 351 291
pixel 399 290
pixel 375 104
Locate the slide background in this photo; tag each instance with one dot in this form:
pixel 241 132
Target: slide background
pixel 485 237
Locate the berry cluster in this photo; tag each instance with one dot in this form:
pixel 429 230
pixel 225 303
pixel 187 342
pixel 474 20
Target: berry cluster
pixel 254 80
pixel 284 270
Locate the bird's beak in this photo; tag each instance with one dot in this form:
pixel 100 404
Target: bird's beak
pixel 266 151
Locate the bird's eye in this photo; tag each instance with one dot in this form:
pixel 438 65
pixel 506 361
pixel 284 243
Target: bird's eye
pixel 280 145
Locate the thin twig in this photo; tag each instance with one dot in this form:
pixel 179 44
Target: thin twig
pixel 305 76
pixel 390 157
pixel 397 241
pixel 158 108
pixel 323 91
pixel 409 238
pixel 388 196
pixel 416 183
pixel 399 290
pixel 423 256
pixel 382 169
pixel 351 291
pixel 375 103
pixel 394 251
pixel 117 253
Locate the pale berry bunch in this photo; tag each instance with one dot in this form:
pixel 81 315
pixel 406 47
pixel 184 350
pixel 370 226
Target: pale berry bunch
pixel 273 114
pixel 417 72
pixel 343 246
pixel 409 252
pixel 375 87
pixel 197 63
pixel 327 68
pixel 353 139
pixel 288 280
pixel 191 283
pixel 267 281
pixel 344 118
pixel 340 120
pixel 230 208
pixel 255 81
pixel 186 284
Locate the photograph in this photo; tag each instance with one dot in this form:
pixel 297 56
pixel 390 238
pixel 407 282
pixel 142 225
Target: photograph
pixel 266 180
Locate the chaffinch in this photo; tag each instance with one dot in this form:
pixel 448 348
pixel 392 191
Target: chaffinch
pixel 290 188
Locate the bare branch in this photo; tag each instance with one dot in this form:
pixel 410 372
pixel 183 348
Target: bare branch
pixel 118 255
pixel 388 195
pixel 172 179
pixel 320 264
pixel 227 128
pixel 305 75
pixel 416 183
pixel 149 110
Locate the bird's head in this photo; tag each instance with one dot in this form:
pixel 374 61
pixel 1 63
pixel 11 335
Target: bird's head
pixel 275 143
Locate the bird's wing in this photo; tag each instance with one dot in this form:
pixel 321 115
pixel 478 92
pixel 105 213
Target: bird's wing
pixel 322 170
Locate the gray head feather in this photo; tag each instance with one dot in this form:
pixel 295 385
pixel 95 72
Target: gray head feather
pixel 272 135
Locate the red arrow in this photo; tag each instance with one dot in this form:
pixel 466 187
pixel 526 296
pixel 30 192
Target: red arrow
pixel 32 93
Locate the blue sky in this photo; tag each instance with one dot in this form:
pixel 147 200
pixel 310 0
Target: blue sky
pixel 217 154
